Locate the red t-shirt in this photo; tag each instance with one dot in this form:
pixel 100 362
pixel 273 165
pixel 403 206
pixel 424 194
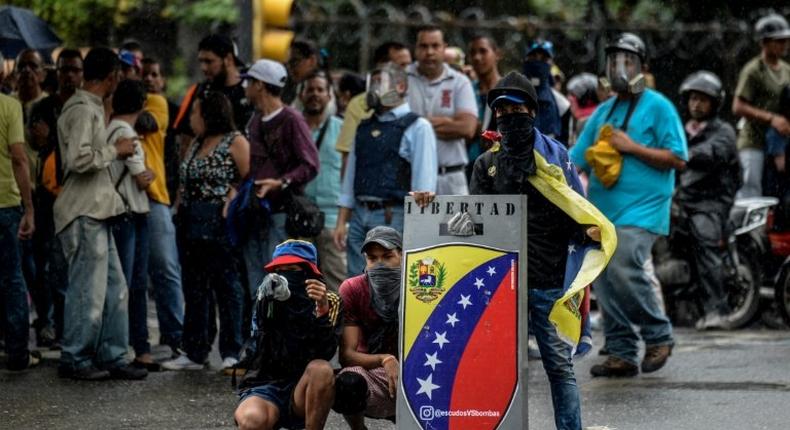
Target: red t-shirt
pixel 358 311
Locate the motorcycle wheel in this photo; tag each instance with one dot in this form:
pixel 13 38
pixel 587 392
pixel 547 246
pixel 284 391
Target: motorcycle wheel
pixel 782 297
pixel 744 292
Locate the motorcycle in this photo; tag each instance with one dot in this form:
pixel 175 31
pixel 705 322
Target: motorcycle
pixel 774 244
pixel 742 268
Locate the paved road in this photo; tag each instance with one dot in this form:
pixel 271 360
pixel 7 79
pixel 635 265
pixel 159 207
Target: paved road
pixel 737 380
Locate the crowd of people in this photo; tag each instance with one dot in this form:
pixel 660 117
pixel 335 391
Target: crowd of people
pixel 266 208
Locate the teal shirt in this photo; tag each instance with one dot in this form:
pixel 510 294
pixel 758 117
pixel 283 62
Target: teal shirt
pixel 643 194
pixel 324 190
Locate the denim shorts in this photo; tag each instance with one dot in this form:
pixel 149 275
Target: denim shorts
pixel 279 393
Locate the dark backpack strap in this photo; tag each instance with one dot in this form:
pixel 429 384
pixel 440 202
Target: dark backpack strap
pixel 631 107
pixel 321 133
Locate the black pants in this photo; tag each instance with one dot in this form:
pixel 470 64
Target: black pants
pixel 209 275
pixel 708 253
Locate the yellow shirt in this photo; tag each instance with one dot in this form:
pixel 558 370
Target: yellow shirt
pixel 154 148
pixel 356 111
pixel 11 132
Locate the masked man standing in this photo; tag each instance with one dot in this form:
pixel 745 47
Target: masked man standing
pixel 641 131
pixel 707 189
pixel 369 345
pixel 568 240
pixel 394 151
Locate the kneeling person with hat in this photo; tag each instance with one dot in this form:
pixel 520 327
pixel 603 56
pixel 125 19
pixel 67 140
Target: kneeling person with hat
pixel 296 326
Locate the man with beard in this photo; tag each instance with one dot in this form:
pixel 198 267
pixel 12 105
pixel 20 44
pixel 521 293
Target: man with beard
pixel 566 235
pixel 394 151
pixel 324 190
pixel 296 327
pixel 369 345
pixel 707 189
pixel 51 278
pixel 220 64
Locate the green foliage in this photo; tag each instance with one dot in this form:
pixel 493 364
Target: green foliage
pixel 202 12
pixel 442 275
pixel 77 22
pixel 92 22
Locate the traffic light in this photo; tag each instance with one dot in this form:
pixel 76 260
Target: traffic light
pixel 271 36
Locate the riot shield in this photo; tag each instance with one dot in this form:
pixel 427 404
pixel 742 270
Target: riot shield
pixel 463 334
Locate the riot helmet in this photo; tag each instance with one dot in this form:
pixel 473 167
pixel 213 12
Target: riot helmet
pixel 772 26
pixel 624 58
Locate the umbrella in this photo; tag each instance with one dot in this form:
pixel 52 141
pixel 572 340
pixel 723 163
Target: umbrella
pixel 21 29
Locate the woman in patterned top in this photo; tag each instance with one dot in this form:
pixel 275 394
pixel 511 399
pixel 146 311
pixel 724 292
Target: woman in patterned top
pixel 216 162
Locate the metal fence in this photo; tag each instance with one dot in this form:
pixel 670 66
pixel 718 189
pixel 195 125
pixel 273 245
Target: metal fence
pixel 351 29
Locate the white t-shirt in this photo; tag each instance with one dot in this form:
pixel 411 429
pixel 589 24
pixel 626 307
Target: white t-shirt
pixel 448 95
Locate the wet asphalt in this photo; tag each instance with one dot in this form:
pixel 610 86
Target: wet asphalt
pixel 714 380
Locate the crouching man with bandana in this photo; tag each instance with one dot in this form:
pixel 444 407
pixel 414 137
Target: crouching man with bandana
pixel 569 242
pixel 296 325
pixel 369 345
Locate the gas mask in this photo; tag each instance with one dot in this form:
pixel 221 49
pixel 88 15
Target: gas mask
pixel 624 73
pixel 382 91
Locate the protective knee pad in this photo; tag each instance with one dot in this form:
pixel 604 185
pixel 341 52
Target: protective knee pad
pixel 351 394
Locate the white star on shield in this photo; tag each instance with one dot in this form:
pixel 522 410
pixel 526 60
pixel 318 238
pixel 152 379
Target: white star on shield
pixel 452 319
pixel 433 360
pixel 427 386
pixel 441 339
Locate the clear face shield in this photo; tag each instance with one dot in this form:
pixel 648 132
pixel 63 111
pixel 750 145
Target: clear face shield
pixel 382 90
pixel 624 72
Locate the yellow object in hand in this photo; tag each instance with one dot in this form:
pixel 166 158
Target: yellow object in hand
pixel 605 160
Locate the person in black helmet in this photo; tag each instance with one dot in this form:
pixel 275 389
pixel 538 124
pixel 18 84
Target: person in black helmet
pixel 756 100
pixel 556 241
pixel 706 189
pixel 645 129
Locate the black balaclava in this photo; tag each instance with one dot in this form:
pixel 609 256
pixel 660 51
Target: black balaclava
pixel 299 306
pixel 517 161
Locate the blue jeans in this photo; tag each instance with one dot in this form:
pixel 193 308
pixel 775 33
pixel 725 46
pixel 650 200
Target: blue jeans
pixel 626 296
pixel 209 267
pixel 362 221
pixel 131 238
pixel 165 272
pixel 258 252
pixel 557 360
pixel 13 292
pixel 96 311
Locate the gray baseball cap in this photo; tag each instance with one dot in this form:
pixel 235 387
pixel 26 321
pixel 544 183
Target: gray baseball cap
pixel 387 237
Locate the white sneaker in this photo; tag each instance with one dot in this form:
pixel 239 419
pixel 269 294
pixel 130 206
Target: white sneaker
pixel 182 363
pixel 229 362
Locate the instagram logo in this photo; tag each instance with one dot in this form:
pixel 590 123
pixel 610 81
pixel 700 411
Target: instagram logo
pixel 426 412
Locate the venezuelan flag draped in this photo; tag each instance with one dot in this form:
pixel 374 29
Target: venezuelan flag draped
pixel 458 299
pixel 558 181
